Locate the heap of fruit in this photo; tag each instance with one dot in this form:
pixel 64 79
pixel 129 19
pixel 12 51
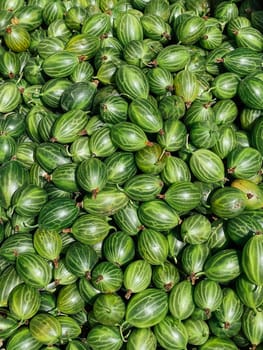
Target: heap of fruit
pixel 131 192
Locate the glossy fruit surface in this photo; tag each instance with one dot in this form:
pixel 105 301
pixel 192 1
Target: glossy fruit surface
pixel 131 174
